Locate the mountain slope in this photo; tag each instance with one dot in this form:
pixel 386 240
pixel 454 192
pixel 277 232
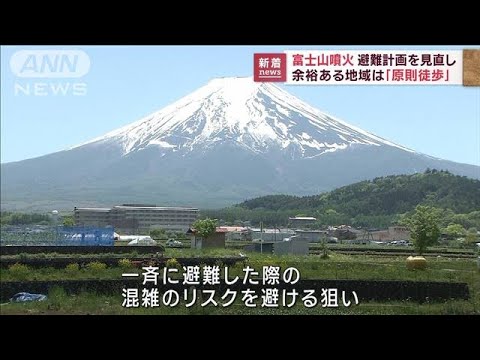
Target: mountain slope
pixel 378 203
pixel 384 196
pixel 259 117
pixel 230 140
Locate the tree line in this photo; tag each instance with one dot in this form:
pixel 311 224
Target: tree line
pixel 376 203
pixel 13 218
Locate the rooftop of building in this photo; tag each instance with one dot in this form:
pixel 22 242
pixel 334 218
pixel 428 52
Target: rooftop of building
pixel 234 228
pixel 93 209
pixel 302 218
pixel 271 231
pixel 103 209
pixel 217 230
pixel 154 207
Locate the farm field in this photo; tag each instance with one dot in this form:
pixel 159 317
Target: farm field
pixel 337 267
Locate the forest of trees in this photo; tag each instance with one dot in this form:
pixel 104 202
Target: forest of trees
pixel 11 218
pixel 377 203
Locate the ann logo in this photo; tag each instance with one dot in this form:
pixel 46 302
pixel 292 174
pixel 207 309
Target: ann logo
pixel 50 63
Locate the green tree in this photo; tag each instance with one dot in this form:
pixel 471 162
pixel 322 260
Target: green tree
pixel 424 229
pixel 68 221
pixel 455 230
pixel 206 227
pixel 472 236
pixel 158 234
pixel 9 218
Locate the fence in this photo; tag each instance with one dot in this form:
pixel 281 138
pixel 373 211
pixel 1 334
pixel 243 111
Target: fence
pixel 56 236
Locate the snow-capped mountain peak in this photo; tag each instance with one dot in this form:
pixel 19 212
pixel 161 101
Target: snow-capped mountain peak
pixel 230 140
pixel 259 117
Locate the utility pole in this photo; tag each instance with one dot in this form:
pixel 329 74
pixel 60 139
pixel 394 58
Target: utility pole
pixel 261 237
pixel 55 223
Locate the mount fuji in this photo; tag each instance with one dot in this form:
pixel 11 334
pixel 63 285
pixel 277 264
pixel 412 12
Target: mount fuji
pixel 230 140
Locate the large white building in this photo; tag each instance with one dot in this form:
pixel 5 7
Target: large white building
pixel 137 217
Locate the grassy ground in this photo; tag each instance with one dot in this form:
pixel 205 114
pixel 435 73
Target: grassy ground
pixel 89 303
pixel 338 266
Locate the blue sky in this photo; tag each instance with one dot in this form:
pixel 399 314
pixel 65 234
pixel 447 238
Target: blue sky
pixel 126 83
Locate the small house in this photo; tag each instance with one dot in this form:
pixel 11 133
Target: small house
pixel 216 240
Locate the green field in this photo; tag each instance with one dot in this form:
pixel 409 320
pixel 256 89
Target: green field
pixel 337 266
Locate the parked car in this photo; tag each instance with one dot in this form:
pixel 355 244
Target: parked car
pixel 332 240
pixel 399 243
pixel 174 243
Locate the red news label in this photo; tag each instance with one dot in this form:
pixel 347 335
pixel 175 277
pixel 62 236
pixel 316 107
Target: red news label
pixel 270 67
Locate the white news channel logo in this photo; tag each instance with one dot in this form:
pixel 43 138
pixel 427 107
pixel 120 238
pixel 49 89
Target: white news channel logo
pixel 50 64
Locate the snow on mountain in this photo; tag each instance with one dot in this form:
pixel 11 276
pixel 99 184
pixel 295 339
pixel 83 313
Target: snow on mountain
pixel 228 141
pixel 260 117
